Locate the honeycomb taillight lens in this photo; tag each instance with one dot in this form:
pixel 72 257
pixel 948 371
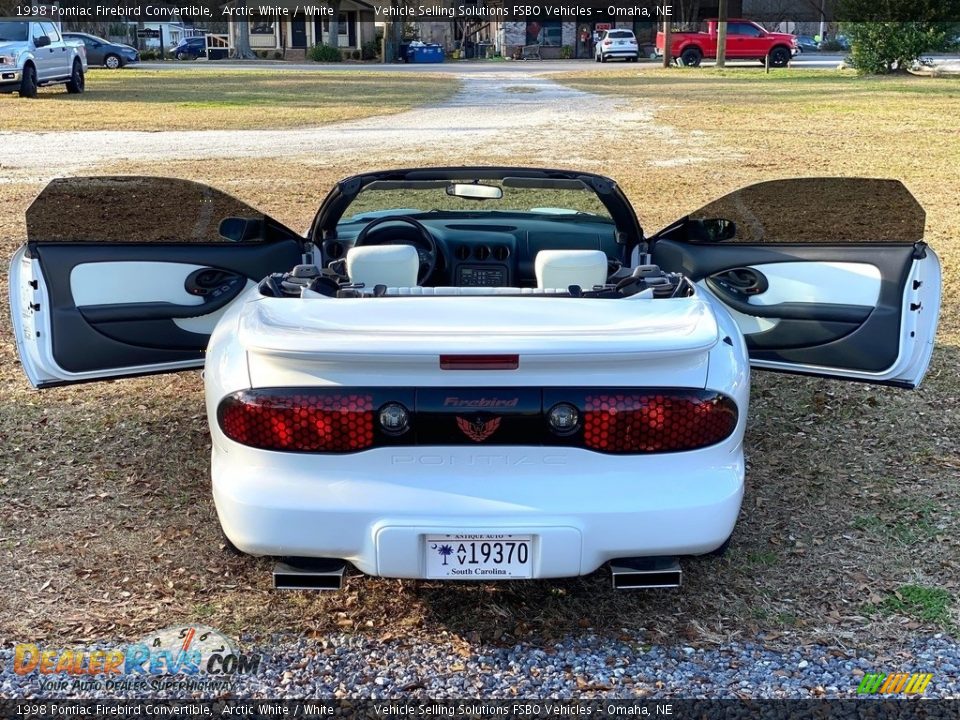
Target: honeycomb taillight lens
pixel 309 421
pixel 656 422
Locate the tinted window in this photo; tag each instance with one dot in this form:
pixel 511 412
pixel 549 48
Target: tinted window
pixel 37 32
pixel 133 209
pixel 820 210
pixel 621 34
pixel 744 29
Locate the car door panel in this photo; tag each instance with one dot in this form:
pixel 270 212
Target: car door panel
pixel 89 304
pixel 850 308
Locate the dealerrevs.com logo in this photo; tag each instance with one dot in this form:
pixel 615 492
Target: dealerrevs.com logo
pixel 194 657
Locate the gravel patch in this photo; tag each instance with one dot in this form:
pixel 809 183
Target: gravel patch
pixel 488 121
pixel 589 666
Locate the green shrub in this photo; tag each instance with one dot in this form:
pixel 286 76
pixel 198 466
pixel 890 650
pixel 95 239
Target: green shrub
pixel 883 47
pixel 370 50
pixel 832 46
pixel 566 52
pixel 355 55
pixel 324 53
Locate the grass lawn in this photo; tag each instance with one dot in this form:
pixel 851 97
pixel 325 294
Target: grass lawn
pixel 199 99
pixel 849 530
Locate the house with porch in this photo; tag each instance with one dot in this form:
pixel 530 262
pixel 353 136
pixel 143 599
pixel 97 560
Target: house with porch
pixel 292 37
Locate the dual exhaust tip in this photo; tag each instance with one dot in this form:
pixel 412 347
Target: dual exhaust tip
pixel 327 573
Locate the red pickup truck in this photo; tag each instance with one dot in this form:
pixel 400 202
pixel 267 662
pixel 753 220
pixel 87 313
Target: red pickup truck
pixel 745 41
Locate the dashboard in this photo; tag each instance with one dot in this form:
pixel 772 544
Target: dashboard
pixel 483 252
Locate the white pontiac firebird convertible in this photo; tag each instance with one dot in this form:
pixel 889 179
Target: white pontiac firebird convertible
pixel 475 373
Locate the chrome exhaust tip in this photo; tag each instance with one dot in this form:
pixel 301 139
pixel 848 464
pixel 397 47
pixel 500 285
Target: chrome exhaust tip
pixel 309 574
pixel 645 573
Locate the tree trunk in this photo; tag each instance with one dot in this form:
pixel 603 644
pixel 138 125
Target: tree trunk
pixel 722 34
pixel 667 42
pixel 333 35
pixel 241 28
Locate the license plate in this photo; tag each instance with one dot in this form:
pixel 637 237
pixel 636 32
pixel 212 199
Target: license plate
pixel 479 557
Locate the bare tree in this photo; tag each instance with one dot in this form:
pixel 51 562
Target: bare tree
pixel 333 37
pixel 241 28
pixel 722 34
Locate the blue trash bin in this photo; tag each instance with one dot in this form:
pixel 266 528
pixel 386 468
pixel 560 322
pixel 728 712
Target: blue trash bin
pixel 425 54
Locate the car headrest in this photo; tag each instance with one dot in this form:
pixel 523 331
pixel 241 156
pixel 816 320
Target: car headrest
pixel 563 268
pixel 390 265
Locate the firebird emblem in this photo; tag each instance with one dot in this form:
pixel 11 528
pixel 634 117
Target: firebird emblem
pixel 478 430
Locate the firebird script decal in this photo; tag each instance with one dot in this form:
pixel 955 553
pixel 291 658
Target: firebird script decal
pixel 478 430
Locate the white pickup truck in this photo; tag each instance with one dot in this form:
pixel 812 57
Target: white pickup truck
pixel 33 53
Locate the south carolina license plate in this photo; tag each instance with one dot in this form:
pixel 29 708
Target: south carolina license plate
pixel 479 557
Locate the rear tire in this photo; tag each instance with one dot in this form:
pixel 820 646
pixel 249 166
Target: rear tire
pixel 603 58
pixel 779 57
pixel 77 82
pixel 691 57
pixel 28 83
pixel 111 62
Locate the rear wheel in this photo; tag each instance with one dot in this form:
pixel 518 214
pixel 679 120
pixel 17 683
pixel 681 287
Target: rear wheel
pixel 603 57
pixel 28 83
pixel 111 61
pixel 779 57
pixel 77 82
pixel 691 57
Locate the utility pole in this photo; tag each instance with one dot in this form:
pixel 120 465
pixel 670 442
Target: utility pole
pixel 722 34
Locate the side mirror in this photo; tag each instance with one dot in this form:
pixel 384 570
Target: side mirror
pixel 711 230
pixel 41 41
pixel 240 229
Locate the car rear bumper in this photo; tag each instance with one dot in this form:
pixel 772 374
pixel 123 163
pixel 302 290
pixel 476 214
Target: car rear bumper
pixel 374 508
pixel 625 52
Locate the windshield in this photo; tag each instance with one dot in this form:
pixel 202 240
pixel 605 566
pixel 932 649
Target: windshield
pixel 13 31
pixel 557 198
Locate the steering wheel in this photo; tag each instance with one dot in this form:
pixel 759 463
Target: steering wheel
pixel 428 258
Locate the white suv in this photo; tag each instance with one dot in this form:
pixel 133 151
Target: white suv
pixel 617 43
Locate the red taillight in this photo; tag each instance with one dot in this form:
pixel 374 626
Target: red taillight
pixel 656 422
pixel 318 421
pixel 608 42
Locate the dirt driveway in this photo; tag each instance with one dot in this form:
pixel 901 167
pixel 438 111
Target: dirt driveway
pixel 493 118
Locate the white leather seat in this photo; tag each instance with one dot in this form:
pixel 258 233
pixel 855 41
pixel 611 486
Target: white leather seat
pixel 563 268
pixel 390 265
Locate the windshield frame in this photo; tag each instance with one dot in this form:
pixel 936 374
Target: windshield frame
pixel 337 202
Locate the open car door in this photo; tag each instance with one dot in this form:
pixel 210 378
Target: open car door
pixel 129 275
pixel 824 276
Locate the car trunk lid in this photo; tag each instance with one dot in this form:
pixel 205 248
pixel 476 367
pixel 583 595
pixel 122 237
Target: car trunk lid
pixel 557 341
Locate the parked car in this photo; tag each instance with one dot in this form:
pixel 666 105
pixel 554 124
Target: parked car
pixel 103 52
pixel 805 43
pixel 746 40
pixel 33 54
pixel 617 43
pixel 475 373
pixel 190 48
